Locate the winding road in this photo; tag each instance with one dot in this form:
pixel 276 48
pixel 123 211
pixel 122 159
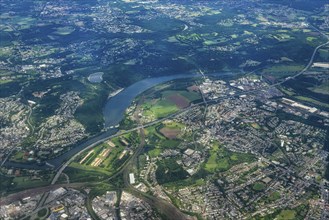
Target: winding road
pixel 156 202
pixel 184 110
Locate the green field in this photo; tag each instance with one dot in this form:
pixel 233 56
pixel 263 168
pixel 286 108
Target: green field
pixel 283 68
pixel 158 142
pixel 323 88
pixel 258 186
pixel 274 196
pixel 64 30
pixel 25 182
pixel 313 101
pixel 110 162
pixel 221 159
pixel 159 109
pixel 155 152
pixel 255 125
pixel 310 39
pixel 324 54
pixel 168 102
pixel 174 125
pixel 18 156
pixel 152 133
pixel 212 163
pixel 286 215
pixel 287 91
pixel 282 37
pixel 78 173
pixel 89 168
pixel 172 130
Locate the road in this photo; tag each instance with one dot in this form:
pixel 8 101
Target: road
pixel 61 169
pixel 31 132
pixel 32 192
pixel 64 165
pixel 156 202
pixel 162 206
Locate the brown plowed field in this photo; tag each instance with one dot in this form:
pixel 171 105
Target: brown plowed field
pixel 180 101
pixel 170 133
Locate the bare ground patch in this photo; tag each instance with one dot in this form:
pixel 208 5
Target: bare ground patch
pixel 180 101
pixel 170 133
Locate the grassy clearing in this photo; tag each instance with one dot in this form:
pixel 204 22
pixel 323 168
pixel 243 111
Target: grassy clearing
pixel 258 186
pixel 324 54
pixel 5 81
pixel 64 30
pixel 158 142
pixel 89 168
pixel 274 196
pixel 168 102
pixel 255 125
pixel 5 53
pixel 155 152
pixel 19 156
pixel 191 96
pixel 221 159
pixel 101 161
pixel 171 129
pixel 323 88
pixel 286 214
pixel 170 133
pixel 283 68
pixel 160 109
pixel 191 182
pixel 82 173
pixel 25 20
pixel 113 157
pixel 313 101
pixel 310 39
pixel 211 164
pixel 25 182
pixel 287 91
pixel 283 37
pixel 163 108
pixel 173 124
pixel 151 131
pixel 299 212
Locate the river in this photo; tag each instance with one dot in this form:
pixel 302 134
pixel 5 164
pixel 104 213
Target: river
pixel 113 112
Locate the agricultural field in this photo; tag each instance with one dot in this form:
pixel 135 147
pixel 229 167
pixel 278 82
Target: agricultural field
pixel 172 130
pixel 105 158
pixel 165 135
pixel 166 102
pixel 311 89
pixel 322 88
pixel 197 98
pixel 41 61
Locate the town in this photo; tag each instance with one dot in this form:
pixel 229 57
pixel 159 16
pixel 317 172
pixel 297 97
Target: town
pixel 147 109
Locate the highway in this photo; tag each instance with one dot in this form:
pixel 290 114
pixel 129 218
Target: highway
pixel 62 168
pixel 162 206
pixel 157 202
